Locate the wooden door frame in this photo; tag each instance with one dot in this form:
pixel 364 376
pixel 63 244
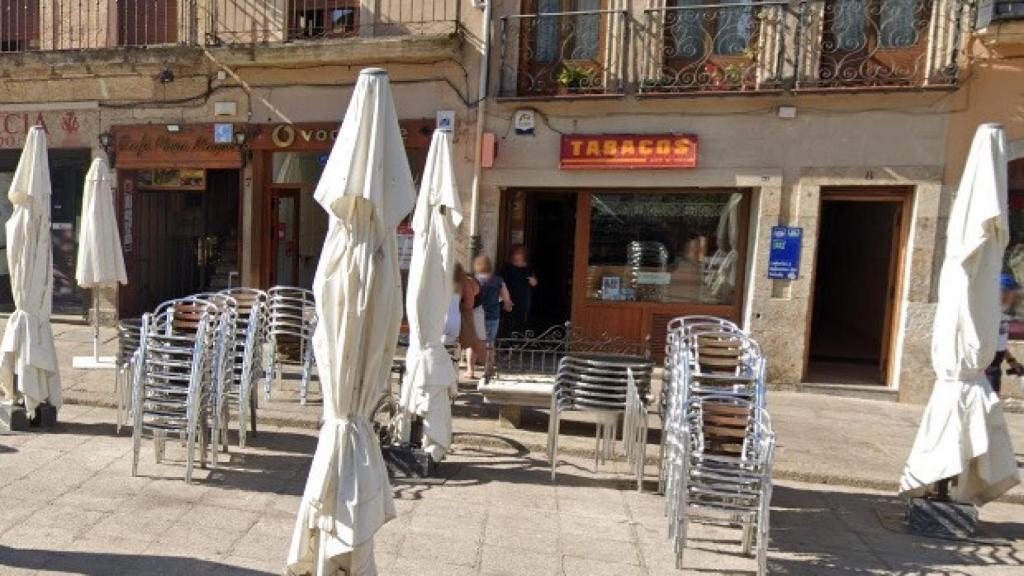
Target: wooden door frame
pixel 276 192
pixel 903 196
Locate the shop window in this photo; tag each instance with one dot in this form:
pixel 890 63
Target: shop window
pixel 683 248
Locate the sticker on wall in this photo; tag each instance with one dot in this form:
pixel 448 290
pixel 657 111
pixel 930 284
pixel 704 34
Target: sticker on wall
pixel 525 122
pixel 224 133
pixel 446 120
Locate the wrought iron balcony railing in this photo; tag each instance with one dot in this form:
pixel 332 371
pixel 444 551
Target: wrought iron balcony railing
pixel 1008 10
pixel 851 44
pixel 701 47
pixel 573 53
pixel 30 25
pixel 259 21
pixel 747 46
pixel 64 25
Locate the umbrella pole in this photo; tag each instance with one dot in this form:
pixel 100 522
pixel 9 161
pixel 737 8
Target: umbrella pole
pixel 96 324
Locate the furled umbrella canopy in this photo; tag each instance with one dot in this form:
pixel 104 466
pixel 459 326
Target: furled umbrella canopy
pixel 963 434
pixel 28 350
pixel 430 378
pixel 100 261
pixel 367 190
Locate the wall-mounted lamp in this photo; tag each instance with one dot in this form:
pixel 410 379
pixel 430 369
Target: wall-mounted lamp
pixel 166 76
pixel 240 137
pixel 106 140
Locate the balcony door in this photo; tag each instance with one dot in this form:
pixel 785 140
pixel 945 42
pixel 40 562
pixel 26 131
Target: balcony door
pixel 874 42
pixel 147 22
pixel 563 47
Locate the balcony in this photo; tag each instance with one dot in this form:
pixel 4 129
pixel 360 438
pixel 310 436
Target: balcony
pixel 1008 10
pixel 263 21
pixel 714 48
pixel 555 54
pixel 29 25
pixel 55 25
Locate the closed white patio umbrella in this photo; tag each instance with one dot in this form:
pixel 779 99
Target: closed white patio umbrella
pixel 367 190
pixel 100 261
pixel 430 377
pixel 27 349
pixel 963 434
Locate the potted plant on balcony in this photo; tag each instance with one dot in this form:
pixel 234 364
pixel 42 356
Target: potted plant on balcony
pixel 574 79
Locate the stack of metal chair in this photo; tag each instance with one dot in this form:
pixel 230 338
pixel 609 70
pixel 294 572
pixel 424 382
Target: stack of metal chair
pixel 129 334
pixel 250 335
pixel 610 387
pixel 718 442
pixel 175 378
pixel 290 334
pixel 225 362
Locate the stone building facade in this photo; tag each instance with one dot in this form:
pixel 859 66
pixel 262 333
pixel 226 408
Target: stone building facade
pixel 844 122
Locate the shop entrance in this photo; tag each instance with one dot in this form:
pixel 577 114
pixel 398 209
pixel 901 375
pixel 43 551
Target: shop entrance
pixel 185 235
pixel 857 276
pixel 544 222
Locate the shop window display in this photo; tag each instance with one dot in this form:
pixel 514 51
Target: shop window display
pixel 672 248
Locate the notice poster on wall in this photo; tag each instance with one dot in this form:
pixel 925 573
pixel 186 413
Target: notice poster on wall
pixel 784 254
pixel 405 242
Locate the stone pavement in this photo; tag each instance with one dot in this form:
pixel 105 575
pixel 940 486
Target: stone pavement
pixel 70 506
pixel 823 439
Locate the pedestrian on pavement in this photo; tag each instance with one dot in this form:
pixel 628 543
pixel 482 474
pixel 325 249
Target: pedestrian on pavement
pixel 521 280
pixel 469 334
pixel 494 296
pixel 1008 289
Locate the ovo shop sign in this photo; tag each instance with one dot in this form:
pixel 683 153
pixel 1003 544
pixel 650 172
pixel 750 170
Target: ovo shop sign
pixel 617 151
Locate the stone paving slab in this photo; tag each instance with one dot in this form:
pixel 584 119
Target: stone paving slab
pixel 70 506
pixel 822 439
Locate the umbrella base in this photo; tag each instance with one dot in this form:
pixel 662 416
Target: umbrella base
pixel 46 416
pixel 941 518
pixel 14 417
pixel 407 462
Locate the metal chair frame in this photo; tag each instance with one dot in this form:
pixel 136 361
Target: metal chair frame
pixel 175 372
pixel 250 335
pixel 292 318
pixel 129 336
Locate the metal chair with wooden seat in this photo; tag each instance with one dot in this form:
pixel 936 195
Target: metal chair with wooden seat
pixel 727 478
pixel 250 336
pixel 290 334
pixel 225 362
pixel 175 378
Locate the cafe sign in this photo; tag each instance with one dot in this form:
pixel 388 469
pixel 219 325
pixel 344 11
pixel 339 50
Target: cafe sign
pixel 154 146
pixel 625 151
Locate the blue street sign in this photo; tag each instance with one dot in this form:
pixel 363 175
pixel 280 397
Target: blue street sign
pixel 224 133
pixel 784 255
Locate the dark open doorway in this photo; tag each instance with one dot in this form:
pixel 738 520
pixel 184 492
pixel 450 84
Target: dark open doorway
pixel 545 222
pixel 855 287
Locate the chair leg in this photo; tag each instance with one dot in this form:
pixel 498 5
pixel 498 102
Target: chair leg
pixel 243 413
pixel 554 444
pixel 254 404
pixel 136 446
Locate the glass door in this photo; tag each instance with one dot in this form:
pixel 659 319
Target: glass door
pixel 286 236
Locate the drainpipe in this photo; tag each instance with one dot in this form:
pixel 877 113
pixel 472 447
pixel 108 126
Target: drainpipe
pixel 475 243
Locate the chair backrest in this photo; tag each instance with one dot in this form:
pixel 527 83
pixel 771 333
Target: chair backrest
pixel 129 336
pixel 183 316
pixel 601 382
pixel 247 299
pixel 292 312
pixel 730 426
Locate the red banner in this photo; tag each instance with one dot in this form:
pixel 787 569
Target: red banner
pixel 619 151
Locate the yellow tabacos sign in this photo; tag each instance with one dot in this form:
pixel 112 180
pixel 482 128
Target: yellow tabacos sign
pixel 619 151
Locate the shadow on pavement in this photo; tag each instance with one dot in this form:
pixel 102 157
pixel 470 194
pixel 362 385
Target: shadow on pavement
pixel 107 564
pixel 840 533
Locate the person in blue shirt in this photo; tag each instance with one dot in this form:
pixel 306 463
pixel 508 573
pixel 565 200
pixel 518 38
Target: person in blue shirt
pixel 1008 290
pixel 494 296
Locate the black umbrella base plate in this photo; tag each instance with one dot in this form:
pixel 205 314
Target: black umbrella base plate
pixel 941 519
pixel 407 462
pixel 14 417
